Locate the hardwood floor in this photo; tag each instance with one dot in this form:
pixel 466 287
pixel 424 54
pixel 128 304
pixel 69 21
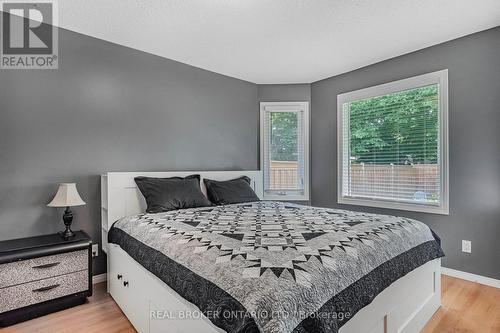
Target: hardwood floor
pixel 467 307
pixel 99 315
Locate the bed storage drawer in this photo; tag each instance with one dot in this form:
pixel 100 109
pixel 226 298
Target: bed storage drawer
pixel 22 295
pixel 404 307
pixel 128 287
pixel 19 272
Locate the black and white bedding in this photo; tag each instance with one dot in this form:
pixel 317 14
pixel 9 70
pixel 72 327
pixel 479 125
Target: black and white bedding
pixel 273 266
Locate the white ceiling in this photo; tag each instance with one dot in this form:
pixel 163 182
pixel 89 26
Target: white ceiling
pixel 278 41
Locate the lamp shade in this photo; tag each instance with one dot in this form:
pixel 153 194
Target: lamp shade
pixel 66 196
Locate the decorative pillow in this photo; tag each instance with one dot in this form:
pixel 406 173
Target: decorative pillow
pixel 230 191
pixel 165 194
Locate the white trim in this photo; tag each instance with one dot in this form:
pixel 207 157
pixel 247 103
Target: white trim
pixel 439 77
pixel 287 107
pixel 487 281
pixel 391 205
pixel 99 278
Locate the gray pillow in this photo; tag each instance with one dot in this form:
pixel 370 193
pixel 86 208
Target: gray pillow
pixel 166 194
pixel 230 191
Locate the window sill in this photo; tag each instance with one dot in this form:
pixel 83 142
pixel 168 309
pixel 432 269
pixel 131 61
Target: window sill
pixel 277 197
pixel 442 210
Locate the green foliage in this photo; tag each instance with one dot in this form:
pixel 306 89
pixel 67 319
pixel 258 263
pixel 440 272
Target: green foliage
pixel 399 128
pixel 284 136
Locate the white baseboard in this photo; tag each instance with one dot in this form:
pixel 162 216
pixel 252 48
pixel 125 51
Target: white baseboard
pixel 99 278
pixel 471 277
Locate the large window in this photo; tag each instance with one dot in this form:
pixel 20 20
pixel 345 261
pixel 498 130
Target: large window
pixel 285 150
pixel 393 145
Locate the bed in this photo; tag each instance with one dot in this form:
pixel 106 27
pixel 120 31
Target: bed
pixel 265 266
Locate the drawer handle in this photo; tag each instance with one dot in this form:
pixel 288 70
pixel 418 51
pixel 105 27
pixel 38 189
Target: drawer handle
pixel 47 265
pixel 119 276
pixel 125 283
pixel 39 290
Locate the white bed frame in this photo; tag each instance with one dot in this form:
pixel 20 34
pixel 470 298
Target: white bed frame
pixel 405 306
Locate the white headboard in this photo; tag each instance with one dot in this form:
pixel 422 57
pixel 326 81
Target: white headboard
pixel 120 196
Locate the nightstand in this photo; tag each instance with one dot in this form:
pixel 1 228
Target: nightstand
pixel 40 275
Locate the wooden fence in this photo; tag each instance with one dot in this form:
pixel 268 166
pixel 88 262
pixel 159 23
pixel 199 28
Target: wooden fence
pixel 284 175
pixel 411 182
pixel 420 181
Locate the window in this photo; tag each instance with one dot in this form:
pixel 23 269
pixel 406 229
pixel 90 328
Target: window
pixel 284 149
pixel 393 145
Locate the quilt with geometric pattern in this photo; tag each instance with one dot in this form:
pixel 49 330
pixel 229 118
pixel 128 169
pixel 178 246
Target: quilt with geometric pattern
pixel 273 266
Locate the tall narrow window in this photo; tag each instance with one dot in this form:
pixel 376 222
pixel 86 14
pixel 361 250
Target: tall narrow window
pixel 285 150
pixel 393 145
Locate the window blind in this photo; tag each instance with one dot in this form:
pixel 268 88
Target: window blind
pixel 391 147
pixel 284 152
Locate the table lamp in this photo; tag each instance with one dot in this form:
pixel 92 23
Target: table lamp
pixel 67 196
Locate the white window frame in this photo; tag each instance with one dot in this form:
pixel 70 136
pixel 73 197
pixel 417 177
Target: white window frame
pixel 440 78
pixel 286 107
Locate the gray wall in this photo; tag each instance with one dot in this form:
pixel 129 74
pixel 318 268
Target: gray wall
pixel 285 92
pixel 111 108
pixel 474 115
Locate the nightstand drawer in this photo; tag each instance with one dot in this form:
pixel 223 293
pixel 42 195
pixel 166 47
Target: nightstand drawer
pixel 19 272
pixel 19 296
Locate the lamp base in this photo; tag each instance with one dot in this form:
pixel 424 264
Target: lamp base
pixel 66 234
pixel 67 218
